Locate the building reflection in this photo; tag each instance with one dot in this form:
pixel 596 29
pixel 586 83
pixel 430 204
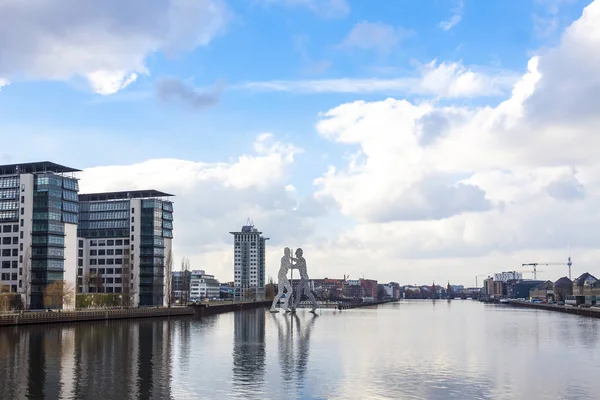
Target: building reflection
pixel 249 352
pixel 104 360
pixel 293 345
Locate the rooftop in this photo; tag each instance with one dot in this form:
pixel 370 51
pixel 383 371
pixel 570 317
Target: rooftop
pixel 35 167
pixel 125 195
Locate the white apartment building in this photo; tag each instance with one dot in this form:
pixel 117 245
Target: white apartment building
pixel 124 241
pixel 203 286
pixel 249 263
pixel 38 230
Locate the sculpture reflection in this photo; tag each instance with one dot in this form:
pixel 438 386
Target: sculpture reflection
pixel 293 346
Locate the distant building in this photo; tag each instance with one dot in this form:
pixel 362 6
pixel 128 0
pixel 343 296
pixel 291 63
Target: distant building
pixel 392 290
pixel 180 285
pixel 520 289
pixel 369 288
pixel 582 283
pixel 543 292
pixel 563 288
pixel 508 276
pixel 249 263
pixel 203 286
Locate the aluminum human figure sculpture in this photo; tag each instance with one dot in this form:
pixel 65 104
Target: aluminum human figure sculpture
pixel 282 280
pixel 303 287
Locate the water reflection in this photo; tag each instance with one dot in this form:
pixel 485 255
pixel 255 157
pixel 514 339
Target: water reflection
pixel 293 362
pixel 406 350
pixel 90 360
pixel 248 352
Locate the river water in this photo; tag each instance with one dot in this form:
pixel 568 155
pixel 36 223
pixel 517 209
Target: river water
pixel 407 350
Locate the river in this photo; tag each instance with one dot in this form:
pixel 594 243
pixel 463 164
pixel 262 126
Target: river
pixel 406 350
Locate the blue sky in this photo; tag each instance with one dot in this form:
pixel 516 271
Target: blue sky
pixel 267 66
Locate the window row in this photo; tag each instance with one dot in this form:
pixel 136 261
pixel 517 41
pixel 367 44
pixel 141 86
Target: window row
pixel 105 206
pixel 10 240
pixel 9 205
pixel 9 264
pixel 9 182
pixel 10 252
pixel 45 180
pixel 116 242
pixel 104 224
pixel 9 193
pixel 48 251
pixel 49 264
pixel 106 261
pixel 102 271
pixel 100 215
pixel 49 239
pixel 50 227
pixel 157 242
pixel 6 276
pixel 69 218
pixel 43 216
pixel 70 195
pixel 9 228
pixel 107 252
pixel 70 207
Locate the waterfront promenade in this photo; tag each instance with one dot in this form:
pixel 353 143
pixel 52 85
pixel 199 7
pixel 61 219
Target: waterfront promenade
pixel 593 312
pixel 198 310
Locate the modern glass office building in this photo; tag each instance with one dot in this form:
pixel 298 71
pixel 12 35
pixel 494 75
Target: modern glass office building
pixel 38 224
pixel 125 238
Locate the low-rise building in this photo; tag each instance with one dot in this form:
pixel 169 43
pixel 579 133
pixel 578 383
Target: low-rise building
pixel 203 285
pixel 582 284
pixel 563 288
pixel 542 292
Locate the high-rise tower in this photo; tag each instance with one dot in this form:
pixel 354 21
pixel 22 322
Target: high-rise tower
pixel 249 263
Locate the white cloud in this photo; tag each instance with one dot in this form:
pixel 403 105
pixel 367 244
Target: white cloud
pixel 324 8
pixel 213 199
pixel 374 35
pixel 445 80
pixel 451 188
pixel 455 18
pixel 3 82
pixel 106 42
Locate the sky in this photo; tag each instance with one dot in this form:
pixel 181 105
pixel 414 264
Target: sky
pixel 408 141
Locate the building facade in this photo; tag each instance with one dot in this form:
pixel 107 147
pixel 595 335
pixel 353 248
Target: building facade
pixel 203 285
pixel 249 263
pixel 124 241
pixel 38 230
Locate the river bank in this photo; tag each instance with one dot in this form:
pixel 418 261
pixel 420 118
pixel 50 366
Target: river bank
pixel 582 311
pixel 197 310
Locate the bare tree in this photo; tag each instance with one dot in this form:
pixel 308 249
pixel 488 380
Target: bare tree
pixel 169 278
pixel 185 284
pixel 126 289
pixel 59 294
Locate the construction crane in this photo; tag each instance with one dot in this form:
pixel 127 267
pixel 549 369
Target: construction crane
pixel 535 265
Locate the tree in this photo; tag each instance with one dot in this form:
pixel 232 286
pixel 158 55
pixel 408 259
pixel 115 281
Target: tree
pixel 26 276
pixel 128 286
pixel 59 294
pixel 270 289
pixel 185 285
pixel 249 295
pixel 169 278
pixel 381 293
